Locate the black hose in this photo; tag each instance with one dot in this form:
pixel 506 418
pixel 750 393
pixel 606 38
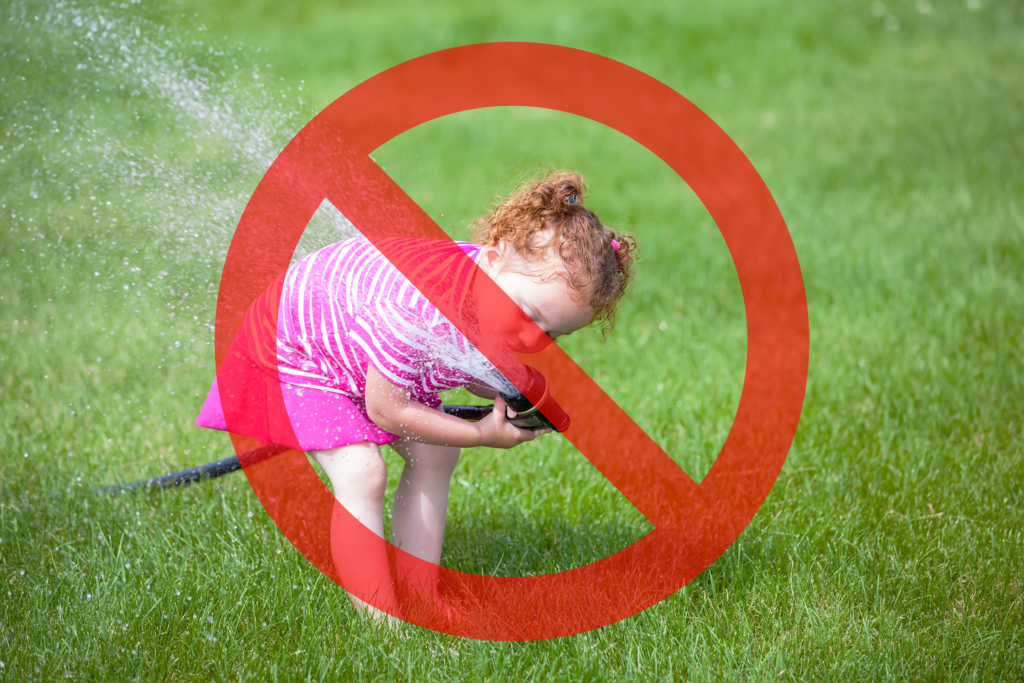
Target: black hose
pixel 219 468
pixel 183 478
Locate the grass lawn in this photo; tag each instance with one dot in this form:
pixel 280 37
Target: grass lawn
pixel 892 137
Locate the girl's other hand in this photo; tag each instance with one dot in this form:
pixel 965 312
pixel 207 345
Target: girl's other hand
pixel 497 432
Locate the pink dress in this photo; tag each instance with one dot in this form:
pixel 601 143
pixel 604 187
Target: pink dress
pixel 341 309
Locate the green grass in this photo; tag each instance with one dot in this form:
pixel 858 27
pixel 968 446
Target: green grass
pixel 890 547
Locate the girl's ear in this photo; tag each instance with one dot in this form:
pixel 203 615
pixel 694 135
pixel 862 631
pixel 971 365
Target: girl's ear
pixel 491 255
pixel 501 249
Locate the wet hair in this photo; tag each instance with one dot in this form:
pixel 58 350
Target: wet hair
pixel 547 214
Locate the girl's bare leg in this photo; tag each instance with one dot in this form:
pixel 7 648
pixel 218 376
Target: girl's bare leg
pixel 421 506
pixel 359 478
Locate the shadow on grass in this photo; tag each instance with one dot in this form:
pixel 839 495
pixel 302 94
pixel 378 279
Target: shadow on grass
pixel 508 542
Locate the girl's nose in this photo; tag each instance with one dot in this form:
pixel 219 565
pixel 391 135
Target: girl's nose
pixel 533 338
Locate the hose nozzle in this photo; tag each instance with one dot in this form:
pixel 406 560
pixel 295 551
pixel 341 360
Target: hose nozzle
pixel 547 412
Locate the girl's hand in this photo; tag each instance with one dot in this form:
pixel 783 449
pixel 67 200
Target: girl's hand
pixel 391 409
pixel 497 432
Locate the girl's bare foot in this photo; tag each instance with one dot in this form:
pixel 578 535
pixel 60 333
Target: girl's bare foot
pixel 374 615
pixel 379 618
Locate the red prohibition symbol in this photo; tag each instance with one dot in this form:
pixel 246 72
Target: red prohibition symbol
pixel 693 524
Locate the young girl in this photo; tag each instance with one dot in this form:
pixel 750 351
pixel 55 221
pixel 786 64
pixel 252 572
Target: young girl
pixel 354 354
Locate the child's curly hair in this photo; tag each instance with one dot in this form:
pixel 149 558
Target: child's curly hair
pixel 598 261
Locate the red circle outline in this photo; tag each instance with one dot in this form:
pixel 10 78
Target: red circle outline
pixel 693 524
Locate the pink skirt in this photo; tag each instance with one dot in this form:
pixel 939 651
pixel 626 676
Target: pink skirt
pixel 317 420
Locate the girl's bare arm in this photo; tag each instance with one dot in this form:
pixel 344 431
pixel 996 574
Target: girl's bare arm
pixel 391 409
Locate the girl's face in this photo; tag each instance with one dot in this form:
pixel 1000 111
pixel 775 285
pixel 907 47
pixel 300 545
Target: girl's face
pixel 550 304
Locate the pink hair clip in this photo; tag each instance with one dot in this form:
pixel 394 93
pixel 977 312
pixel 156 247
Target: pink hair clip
pixel 616 246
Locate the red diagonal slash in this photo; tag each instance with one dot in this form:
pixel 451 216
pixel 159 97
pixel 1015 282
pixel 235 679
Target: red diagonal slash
pixel 329 159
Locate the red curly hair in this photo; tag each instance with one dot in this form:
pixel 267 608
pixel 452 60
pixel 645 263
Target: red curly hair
pixel 548 214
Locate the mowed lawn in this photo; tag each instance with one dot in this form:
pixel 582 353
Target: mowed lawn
pixel 892 137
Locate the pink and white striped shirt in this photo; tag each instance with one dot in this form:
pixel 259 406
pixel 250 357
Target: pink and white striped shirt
pixel 346 307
